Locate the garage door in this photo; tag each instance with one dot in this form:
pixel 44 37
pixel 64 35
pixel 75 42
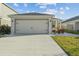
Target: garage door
pixel 31 26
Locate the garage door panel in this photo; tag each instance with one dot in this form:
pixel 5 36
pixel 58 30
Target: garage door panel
pixel 31 26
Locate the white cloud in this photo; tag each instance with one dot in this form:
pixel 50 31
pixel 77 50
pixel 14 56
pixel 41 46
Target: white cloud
pixel 25 4
pixel 61 8
pixel 27 11
pixel 50 11
pixel 52 4
pixel 39 4
pixel 20 9
pixel 15 4
pixel 32 11
pixel 67 8
pixel 42 5
pixel 46 3
pixel 61 12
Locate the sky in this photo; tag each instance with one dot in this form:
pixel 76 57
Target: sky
pixel 62 11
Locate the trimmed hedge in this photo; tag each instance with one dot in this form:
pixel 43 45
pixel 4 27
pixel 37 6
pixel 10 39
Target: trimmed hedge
pixel 5 29
pixel 72 31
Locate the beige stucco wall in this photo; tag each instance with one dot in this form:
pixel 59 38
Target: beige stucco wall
pixel 4 12
pixel 57 23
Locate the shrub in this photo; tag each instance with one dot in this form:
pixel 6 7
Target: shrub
pixel 5 29
pixel 72 31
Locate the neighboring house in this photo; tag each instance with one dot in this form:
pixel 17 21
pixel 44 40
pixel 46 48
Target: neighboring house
pixel 33 23
pixel 4 12
pixel 72 23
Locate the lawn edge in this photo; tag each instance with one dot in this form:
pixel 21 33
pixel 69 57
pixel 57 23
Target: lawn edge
pixel 60 46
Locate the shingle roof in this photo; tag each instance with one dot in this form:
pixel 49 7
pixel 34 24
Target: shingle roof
pixel 33 13
pixel 71 19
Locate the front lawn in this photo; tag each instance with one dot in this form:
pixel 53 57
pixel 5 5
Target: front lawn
pixel 69 44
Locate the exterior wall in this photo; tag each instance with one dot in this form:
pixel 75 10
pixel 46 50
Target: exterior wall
pixel 71 25
pixel 77 26
pixel 56 23
pixel 4 12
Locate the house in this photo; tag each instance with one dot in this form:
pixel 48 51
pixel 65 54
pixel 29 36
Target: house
pixel 4 12
pixel 27 23
pixel 72 23
pixel 33 23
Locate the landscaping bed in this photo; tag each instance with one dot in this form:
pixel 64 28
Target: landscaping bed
pixel 4 30
pixel 69 44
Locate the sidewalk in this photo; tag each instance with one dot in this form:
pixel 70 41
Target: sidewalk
pixel 64 34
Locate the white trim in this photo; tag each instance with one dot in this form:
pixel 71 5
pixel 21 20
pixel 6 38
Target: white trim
pixel 12 26
pixel 50 26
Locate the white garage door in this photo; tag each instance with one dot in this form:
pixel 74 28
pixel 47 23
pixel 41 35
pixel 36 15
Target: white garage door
pixel 31 26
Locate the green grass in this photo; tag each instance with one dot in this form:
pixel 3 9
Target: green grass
pixel 69 44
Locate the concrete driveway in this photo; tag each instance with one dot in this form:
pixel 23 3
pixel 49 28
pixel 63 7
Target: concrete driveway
pixel 30 45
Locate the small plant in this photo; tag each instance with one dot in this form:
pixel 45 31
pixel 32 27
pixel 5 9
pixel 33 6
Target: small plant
pixel 5 29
